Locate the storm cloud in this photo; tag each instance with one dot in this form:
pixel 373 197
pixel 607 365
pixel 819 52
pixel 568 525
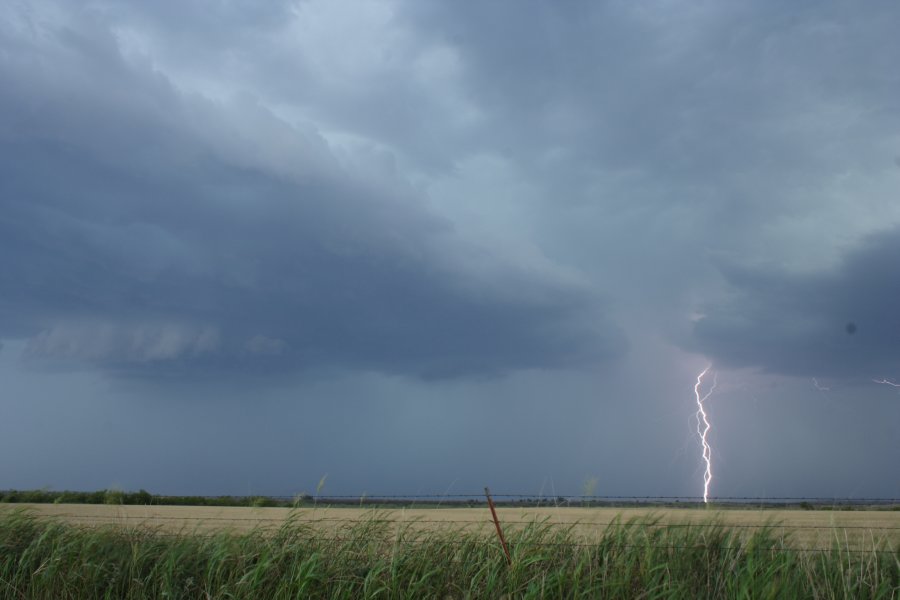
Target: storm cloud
pixel 418 244
pixel 842 322
pixel 149 229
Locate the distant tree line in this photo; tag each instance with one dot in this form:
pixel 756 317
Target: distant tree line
pixel 143 497
pixel 140 497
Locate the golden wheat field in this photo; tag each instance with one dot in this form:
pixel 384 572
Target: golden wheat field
pixel 800 528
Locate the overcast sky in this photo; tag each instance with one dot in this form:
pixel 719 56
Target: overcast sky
pixel 422 246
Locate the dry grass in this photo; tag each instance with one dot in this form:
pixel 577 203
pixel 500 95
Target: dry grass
pixel 804 529
pixel 177 552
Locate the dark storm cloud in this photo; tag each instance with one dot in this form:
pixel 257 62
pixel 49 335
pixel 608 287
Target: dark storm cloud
pixel 150 230
pixel 686 129
pixel 840 323
pixel 681 88
pixel 361 196
pixel 729 109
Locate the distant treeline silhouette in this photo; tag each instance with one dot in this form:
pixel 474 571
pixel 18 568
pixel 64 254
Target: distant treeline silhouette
pixel 143 497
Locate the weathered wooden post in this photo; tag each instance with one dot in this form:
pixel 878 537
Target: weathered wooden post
pixel 487 493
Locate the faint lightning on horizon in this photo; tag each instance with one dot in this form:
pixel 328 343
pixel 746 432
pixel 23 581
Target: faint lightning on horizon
pixel 703 420
pixel 821 388
pixel 886 382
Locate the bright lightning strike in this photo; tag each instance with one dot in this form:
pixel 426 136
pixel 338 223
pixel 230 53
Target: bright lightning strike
pixel 703 422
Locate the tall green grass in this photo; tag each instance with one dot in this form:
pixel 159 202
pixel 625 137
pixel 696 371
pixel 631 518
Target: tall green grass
pixel 41 558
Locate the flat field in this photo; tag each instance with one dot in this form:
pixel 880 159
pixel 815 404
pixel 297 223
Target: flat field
pixel 799 528
pixel 101 551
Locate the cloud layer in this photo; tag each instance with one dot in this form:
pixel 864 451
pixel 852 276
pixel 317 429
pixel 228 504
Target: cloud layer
pixel 230 187
pixel 842 322
pixel 424 245
pixel 148 229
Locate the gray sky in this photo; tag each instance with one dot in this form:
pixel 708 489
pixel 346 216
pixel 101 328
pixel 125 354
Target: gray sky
pixel 425 246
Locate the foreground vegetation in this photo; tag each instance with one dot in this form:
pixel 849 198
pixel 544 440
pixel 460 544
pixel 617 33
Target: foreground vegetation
pixel 42 558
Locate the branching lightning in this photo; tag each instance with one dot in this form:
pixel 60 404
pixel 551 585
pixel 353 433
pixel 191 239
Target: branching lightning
pixel 703 428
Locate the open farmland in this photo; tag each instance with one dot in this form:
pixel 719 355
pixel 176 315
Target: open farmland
pixel 806 529
pixel 102 551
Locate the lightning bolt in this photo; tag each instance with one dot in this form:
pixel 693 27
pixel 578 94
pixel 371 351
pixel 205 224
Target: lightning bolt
pixel 821 388
pixel 886 382
pixel 703 421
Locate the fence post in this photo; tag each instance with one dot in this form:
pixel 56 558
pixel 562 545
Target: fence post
pixel 487 493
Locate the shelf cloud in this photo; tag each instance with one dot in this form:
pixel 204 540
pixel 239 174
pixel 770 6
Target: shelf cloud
pixel 149 229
